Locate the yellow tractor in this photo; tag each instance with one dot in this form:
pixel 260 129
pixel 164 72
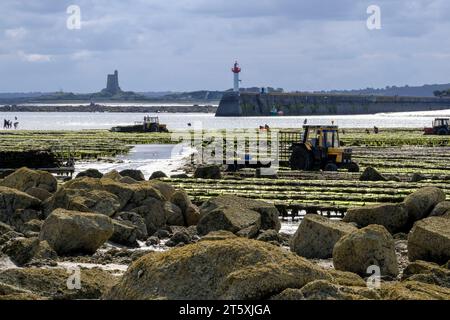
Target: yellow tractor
pixel 320 148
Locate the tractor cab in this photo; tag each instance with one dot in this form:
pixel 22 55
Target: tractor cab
pixel 321 148
pixel 441 126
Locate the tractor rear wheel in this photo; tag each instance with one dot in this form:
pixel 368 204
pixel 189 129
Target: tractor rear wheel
pixel 330 167
pixel 300 159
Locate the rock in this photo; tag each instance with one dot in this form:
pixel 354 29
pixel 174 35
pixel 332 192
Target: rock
pixel 271 236
pixel 98 201
pixel 13 293
pixel 24 179
pixel 4 238
pixel 21 250
pixel 413 290
pixel 417 177
pixel 234 269
pixel 52 283
pixel 112 175
pixel 152 241
pixel 441 209
pixel 164 188
pixel 134 174
pixel 137 221
pixel 317 235
pixel 162 234
pixel 128 180
pixel 157 175
pixel 153 213
pixel 181 199
pixel 179 237
pixel 420 203
pixel 427 272
pixel 372 245
pixel 179 176
pixel 429 240
pixel 72 232
pixel 345 278
pixel 39 193
pixel 91 173
pixel 192 215
pixel 371 174
pixel 12 200
pixel 45 252
pixel 33 225
pixel 392 216
pixel 218 235
pixel 125 233
pixel 174 215
pixel 208 172
pixel 4 228
pixel 22 220
pixel 268 212
pixel 326 290
pixel 230 219
pixel 130 196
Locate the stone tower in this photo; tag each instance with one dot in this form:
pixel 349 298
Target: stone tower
pixel 112 84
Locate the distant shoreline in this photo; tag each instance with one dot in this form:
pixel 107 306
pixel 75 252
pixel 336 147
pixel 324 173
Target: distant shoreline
pixel 110 108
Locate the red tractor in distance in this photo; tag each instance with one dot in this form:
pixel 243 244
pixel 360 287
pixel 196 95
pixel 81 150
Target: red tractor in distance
pixel 440 127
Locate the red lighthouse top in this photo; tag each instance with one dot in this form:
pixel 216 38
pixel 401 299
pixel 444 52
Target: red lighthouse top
pixel 236 68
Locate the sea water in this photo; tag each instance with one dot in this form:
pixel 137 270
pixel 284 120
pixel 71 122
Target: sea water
pixel 179 121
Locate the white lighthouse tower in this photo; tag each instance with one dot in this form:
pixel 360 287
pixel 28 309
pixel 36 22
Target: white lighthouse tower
pixel 236 70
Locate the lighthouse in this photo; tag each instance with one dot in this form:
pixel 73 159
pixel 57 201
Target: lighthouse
pixel 236 70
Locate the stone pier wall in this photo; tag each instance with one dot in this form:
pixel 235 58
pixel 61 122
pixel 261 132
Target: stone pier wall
pixel 249 104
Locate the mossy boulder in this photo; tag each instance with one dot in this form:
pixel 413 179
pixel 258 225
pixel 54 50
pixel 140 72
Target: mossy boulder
pixel 422 202
pixel 208 172
pixel 429 240
pixel 442 209
pixel 233 269
pixel 317 235
pixel 370 246
pixel 73 232
pixel 427 272
pixel 371 174
pixel 157 175
pixel 233 210
pixel 13 199
pixel 91 173
pixel 52 283
pixel 326 290
pixel 136 175
pixel 393 216
pixel 24 179
pixel 125 233
pixel 413 290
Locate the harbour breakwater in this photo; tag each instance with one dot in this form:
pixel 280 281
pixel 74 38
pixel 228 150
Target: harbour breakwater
pixel 298 104
pixel 110 108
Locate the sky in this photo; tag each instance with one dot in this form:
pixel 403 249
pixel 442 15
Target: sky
pixel 185 45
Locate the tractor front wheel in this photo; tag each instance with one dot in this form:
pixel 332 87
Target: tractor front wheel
pixel 300 159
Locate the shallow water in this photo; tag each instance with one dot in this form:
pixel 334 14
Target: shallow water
pixel 147 158
pixel 178 121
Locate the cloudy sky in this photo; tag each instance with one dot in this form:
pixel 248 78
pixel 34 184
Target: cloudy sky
pixel 191 44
